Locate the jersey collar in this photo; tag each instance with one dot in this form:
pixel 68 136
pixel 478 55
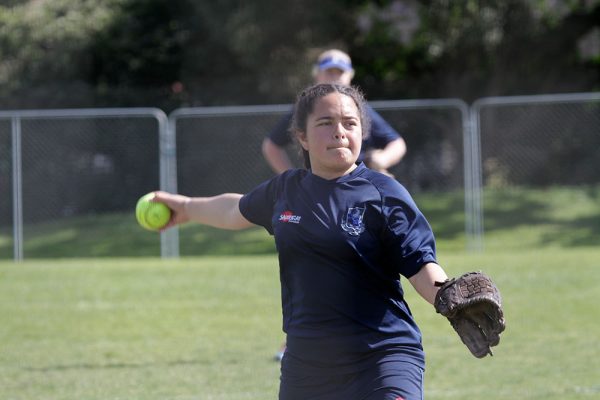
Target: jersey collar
pixel 344 178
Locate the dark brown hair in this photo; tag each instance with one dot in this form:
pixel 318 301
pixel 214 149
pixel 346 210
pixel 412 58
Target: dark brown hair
pixel 305 104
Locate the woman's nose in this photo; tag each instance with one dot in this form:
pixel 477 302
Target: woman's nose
pixel 340 132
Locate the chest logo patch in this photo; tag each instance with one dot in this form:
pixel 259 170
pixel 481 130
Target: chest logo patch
pixel 289 217
pixel 353 223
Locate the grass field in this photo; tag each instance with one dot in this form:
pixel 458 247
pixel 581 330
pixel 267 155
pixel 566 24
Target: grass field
pixel 207 327
pixel 519 218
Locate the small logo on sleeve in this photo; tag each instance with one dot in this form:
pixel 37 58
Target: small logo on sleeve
pixel 289 217
pixel 353 223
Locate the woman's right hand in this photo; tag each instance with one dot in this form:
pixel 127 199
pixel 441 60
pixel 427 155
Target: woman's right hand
pixel 178 205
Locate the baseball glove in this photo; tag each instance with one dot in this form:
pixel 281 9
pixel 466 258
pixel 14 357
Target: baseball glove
pixel 473 305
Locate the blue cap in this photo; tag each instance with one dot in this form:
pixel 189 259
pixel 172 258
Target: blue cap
pixel 334 61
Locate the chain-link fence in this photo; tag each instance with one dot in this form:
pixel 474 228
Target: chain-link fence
pixel 219 148
pixel 227 142
pixel 537 142
pixel 58 164
pixel 6 190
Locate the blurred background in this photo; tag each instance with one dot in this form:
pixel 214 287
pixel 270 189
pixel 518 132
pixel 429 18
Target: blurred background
pixel 102 101
pixel 174 53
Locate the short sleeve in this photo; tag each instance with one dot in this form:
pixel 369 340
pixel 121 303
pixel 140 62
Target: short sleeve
pixel 408 235
pixel 381 132
pixel 257 205
pixel 280 135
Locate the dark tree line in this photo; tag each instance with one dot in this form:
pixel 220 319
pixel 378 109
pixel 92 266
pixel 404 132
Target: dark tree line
pixel 171 53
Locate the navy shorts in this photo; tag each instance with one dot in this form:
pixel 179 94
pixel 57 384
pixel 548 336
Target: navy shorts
pixel 387 377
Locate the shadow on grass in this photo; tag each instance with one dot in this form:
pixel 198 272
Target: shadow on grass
pixel 513 209
pixel 580 232
pixel 106 235
pixel 202 240
pixel 445 213
pixel 119 235
pixel 566 217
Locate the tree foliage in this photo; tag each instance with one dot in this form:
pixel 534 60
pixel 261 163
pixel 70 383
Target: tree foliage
pixel 44 50
pixel 470 49
pixel 171 53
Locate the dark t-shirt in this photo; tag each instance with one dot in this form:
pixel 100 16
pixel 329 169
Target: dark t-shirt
pixel 343 245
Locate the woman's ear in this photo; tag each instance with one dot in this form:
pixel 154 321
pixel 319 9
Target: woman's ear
pixel 301 136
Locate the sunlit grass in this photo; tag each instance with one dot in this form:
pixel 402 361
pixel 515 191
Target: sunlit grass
pixel 207 328
pixel 513 218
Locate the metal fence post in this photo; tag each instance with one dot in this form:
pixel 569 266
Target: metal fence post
pixel 169 240
pixel 473 213
pixel 475 192
pixel 17 189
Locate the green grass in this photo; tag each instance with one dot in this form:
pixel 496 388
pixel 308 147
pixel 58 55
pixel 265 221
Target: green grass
pixel 530 218
pixel 513 218
pixel 120 323
pixel 139 329
pixel 207 328
pixel 119 235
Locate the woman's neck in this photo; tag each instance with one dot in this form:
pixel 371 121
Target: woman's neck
pixel 332 174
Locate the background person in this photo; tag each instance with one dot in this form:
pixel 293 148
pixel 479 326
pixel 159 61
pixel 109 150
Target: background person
pixel 382 148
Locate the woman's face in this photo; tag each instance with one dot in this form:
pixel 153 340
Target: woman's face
pixel 333 136
pixel 334 75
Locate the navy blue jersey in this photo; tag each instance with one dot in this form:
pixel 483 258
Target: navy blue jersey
pixel 343 245
pixel 379 136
